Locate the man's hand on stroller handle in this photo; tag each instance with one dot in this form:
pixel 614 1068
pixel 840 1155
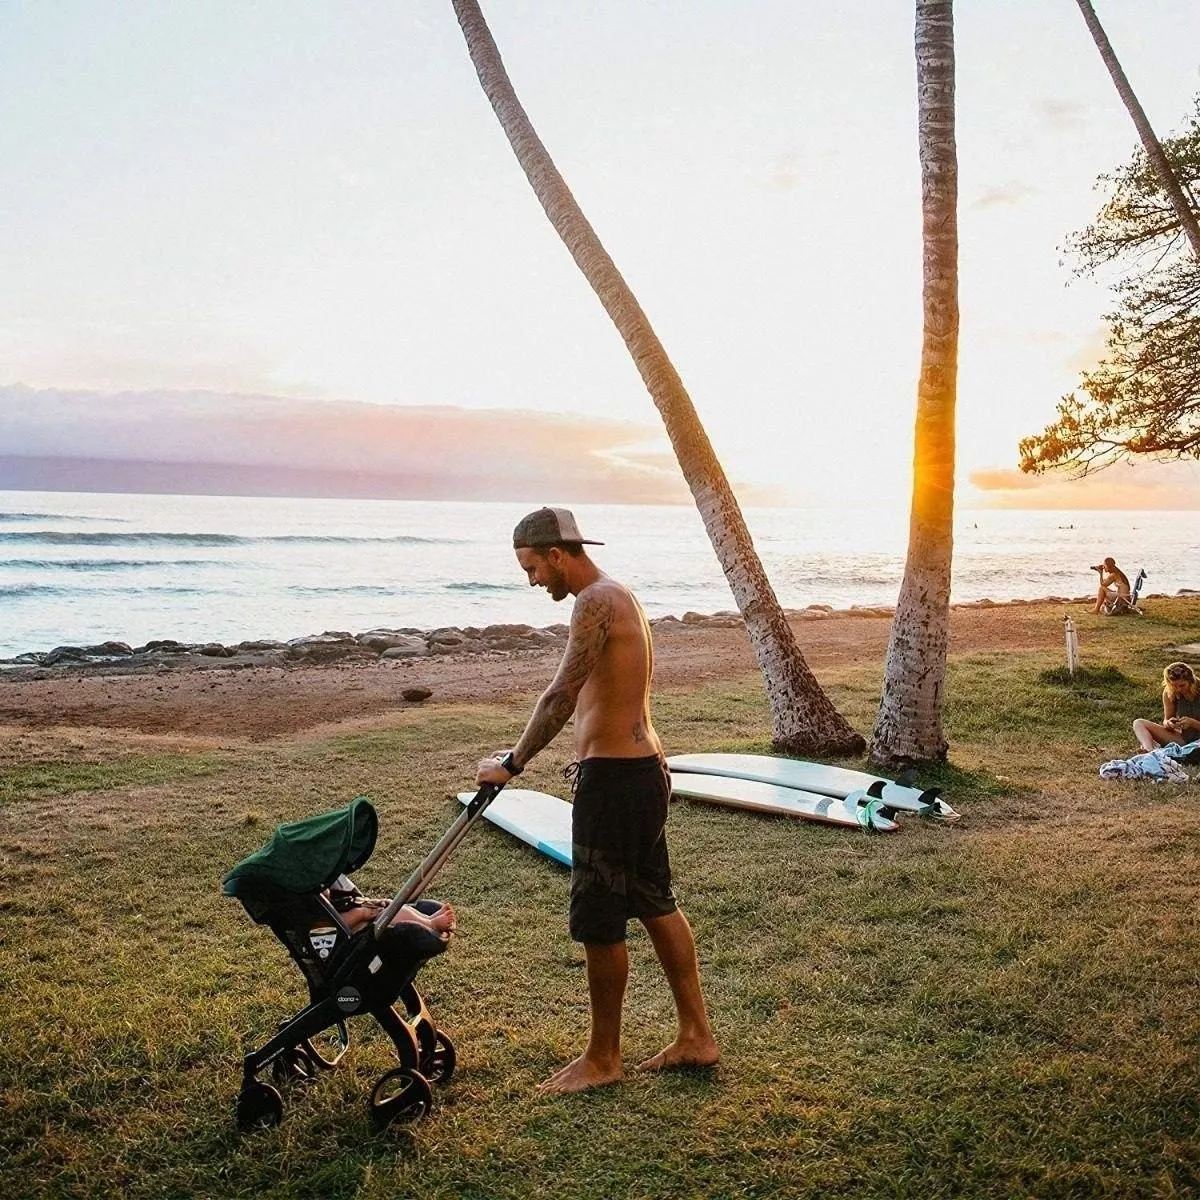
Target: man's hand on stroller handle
pixel 498 769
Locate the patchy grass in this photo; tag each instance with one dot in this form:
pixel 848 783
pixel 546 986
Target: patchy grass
pixel 1007 1006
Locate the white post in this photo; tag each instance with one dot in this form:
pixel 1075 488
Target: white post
pixel 1072 645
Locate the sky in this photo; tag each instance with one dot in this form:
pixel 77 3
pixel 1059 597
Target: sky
pixel 291 235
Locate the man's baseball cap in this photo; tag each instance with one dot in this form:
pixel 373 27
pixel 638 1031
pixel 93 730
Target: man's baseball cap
pixel 549 527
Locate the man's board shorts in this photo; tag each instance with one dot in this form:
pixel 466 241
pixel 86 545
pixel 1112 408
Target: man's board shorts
pixel 621 869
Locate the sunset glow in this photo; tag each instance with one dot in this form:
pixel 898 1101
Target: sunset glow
pixel 316 223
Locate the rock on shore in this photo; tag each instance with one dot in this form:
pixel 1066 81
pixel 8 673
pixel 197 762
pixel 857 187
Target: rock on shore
pixel 335 646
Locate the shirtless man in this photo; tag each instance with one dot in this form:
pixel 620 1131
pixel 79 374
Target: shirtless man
pixel 618 821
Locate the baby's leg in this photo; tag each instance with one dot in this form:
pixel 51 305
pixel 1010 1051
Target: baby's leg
pixel 441 922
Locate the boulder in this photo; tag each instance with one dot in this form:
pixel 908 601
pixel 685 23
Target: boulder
pixel 163 646
pixel 724 620
pixel 411 646
pixel 64 654
pixel 109 650
pixel 215 650
pixel 416 694
pixel 445 638
pixel 380 640
pixel 322 647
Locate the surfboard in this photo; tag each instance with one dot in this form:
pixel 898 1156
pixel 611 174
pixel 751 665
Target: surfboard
pixel 815 777
pixel 539 820
pixel 855 811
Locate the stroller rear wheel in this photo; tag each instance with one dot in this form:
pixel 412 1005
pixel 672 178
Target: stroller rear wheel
pixel 402 1095
pixel 258 1107
pixel 438 1064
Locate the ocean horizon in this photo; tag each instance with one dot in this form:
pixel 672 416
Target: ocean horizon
pixel 82 568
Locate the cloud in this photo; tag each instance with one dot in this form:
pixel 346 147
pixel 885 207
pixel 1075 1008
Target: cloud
pixel 393 450
pixel 1002 194
pixel 1143 485
pixel 1061 114
pixel 783 174
pixel 1090 351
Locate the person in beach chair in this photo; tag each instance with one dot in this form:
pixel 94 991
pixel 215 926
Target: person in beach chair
pixel 1119 605
pixel 1114 586
pixel 1181 711
pixel 299 885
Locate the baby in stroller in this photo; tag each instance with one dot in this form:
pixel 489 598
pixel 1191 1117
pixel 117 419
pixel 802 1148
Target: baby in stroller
pixel 357 910
pixel 299 885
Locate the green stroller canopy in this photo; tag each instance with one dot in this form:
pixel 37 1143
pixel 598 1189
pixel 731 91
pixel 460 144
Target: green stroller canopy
pixel 304 856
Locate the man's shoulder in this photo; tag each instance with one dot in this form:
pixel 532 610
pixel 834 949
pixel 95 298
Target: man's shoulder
pixel 605 592
pixel 604 600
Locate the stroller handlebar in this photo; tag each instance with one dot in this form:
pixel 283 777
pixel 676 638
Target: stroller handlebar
pixel 433 862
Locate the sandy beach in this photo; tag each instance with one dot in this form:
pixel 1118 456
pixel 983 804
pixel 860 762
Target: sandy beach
pixel 231 699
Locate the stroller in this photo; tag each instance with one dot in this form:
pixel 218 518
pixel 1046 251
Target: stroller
pixel 295 884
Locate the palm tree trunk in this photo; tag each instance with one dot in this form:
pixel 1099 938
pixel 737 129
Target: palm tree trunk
pixel 804 721
pixel 908 728
pixel 1154 151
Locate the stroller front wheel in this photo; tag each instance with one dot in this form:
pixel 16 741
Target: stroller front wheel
pixel 402 1095
pixel 258 1107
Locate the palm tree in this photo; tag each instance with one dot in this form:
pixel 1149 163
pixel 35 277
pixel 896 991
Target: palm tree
pixel 804 721
pixel 908 728
pixel 1154 151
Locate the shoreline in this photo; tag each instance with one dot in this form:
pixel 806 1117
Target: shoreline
pixel 262 695
pixel 411 642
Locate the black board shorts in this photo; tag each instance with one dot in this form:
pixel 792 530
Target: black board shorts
pixel 621 869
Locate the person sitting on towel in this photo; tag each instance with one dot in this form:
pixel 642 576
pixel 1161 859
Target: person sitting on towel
pixel 1114 584
pixel 1181 711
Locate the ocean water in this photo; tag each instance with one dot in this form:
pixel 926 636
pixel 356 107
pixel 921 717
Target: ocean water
pixel 80 568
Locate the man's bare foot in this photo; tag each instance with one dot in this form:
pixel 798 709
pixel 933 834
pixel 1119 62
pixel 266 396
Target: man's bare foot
pixel 580 1075
pixel 690 1052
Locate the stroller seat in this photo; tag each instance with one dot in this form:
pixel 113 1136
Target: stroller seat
pixel 296 885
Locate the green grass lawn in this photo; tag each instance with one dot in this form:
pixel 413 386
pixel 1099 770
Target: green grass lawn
pixel 1009 1006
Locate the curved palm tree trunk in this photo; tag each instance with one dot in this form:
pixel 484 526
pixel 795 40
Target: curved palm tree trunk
pixel 804 721
pixel 908 728
pixel 1154 151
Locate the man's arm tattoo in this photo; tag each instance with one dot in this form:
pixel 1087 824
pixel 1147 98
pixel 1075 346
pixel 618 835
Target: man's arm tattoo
pixel 590 625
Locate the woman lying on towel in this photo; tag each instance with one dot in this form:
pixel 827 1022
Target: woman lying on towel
pixel 1181 711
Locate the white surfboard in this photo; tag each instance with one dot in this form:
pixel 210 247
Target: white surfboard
pixel 815 777
pixel 539 820
pixel 856 811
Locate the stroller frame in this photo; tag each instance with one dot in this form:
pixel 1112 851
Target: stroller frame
pixel 366 972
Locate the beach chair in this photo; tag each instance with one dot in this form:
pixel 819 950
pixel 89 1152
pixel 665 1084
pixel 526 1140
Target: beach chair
pixel 1119 605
